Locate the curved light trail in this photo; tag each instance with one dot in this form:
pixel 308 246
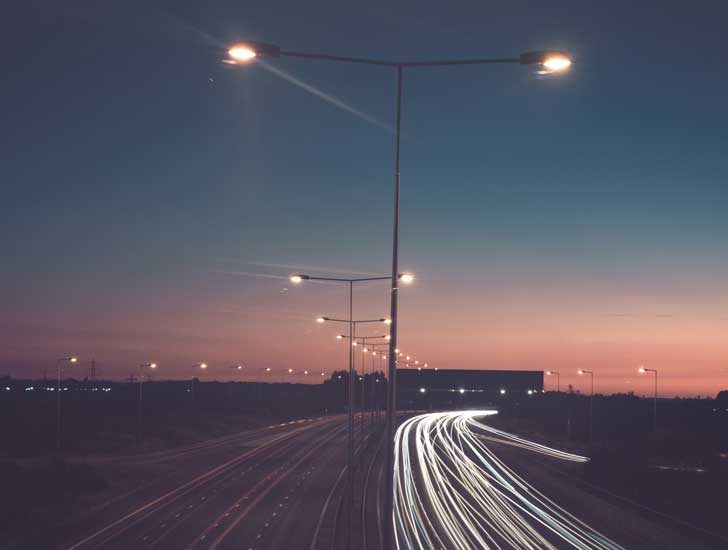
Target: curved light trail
pixel 451 492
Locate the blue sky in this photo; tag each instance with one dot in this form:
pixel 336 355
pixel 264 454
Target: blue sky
pixel 138 171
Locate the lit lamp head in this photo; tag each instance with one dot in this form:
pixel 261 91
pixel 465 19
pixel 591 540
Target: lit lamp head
pixel 406 278
pixel 296 279
pixel 386 321
pixel 548 61
pixel 320 319
pixel 641 370
pixel 73 359
pixel 203 366
pixel 245 52
pixel 152 365
pixel 290 371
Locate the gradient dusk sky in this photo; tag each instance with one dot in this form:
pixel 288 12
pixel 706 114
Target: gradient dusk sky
pixel 154 199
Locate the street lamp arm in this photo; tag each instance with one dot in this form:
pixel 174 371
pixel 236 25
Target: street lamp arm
pixel 325 57
pixel 300 278
pixel 327 319
pixel 387 63
pixel 446 62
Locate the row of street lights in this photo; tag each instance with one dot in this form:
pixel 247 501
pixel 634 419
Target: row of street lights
pixel 547 62
pixel 144 368
pixel 582 372
pixel 299 278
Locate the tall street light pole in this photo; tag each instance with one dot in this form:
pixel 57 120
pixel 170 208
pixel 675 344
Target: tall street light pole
pixel 547 61
pixel 298 279
pixel 142 367
pixel 591 403
pixel 643 370
pixel 59 367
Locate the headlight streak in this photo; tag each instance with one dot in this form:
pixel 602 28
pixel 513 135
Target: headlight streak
pixel 452 492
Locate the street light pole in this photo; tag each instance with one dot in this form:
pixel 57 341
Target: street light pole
pixel 547 61
pixel 643 370
pixel 59 365
pixel 202 367
pixel 139 400
pixel 591 404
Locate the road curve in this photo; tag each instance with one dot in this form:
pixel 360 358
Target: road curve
pixel 452 492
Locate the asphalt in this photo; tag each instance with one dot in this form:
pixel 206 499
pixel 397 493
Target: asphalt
pixel 263 488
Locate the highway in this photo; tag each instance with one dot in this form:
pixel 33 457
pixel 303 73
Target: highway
pixel 262 488
pixel 283 487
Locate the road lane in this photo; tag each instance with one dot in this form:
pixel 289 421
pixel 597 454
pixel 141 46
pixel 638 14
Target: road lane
pixel 177 513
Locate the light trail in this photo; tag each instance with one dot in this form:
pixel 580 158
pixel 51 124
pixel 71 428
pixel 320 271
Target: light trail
pixel 452 492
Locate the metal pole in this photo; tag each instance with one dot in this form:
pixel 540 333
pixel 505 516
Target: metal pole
pixel 350 461
pixel 139 409
pixel 58 408
pixel 654 413
pixel 361 403
pixel 591 411
pixel 558 382
pixel 392 382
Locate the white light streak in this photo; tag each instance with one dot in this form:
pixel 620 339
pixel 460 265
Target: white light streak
pixel 452 492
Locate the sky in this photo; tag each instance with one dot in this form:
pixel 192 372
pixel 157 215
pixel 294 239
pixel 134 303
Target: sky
pixel 155 200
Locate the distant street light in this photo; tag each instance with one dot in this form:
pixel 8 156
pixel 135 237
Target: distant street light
pixel 591 403
pixel 143 366
pixel 202 367
pixel 558 378
pixel 547 62
pixel 643 370
pixel 59 366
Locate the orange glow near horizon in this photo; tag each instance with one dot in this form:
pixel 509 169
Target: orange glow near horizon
pixel 565 327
